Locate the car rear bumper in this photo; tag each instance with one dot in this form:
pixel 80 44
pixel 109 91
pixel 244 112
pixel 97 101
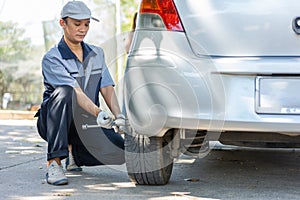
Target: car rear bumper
pixel 166 90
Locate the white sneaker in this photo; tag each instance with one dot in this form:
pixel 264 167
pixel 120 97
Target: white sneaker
pixel 55 174
pixel 71 165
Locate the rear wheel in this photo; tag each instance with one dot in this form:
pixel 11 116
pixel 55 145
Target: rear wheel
pixel 148 159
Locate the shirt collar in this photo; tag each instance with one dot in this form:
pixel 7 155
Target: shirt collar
pixel 66 52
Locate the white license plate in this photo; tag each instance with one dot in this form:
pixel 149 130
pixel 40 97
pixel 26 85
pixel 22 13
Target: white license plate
pixel 277 95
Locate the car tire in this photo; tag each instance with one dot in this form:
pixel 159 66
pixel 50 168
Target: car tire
pixel 148 159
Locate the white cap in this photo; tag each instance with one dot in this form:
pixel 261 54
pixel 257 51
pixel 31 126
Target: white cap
pixel 77 10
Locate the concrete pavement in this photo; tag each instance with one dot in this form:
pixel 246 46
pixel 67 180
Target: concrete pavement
pixel 230 173
pixel 22 169
pixel 23 166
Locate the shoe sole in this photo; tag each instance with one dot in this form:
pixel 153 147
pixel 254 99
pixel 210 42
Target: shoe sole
pixel 59 182
pixel 74 170
pixel 78 169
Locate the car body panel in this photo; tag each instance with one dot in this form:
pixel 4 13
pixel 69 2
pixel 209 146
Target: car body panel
pixel 206 79
pixel 241 28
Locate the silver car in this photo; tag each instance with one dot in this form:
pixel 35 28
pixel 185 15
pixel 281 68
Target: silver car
pixel 210 70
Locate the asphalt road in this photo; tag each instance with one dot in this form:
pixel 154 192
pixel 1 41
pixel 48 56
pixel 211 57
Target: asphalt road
pixel 226 173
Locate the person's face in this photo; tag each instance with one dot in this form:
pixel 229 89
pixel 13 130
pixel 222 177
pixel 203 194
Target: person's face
pixel 75 30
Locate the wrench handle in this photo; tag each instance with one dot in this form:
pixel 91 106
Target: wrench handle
pixel 86 126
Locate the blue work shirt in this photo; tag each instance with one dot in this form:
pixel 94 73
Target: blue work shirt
pixel 61 67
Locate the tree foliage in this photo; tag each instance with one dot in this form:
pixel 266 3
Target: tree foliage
pixel 13 46
pixel 16 61
pixel 128 9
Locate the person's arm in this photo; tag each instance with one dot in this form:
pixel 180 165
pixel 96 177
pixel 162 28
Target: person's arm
pixel 86 103
pixel 110 99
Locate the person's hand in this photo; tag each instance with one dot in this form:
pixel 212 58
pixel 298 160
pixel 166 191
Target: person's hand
pixel 120 122
pixel 104 119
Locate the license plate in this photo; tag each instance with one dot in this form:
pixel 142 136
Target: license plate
pixel 277 95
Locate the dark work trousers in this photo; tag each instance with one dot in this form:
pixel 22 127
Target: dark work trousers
pixel 60 121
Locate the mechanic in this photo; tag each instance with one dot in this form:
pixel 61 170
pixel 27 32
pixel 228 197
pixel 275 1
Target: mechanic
pixel 74 73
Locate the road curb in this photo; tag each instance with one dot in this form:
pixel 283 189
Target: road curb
pixel 16 115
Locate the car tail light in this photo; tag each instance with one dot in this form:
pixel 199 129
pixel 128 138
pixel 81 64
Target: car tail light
pixel 159 14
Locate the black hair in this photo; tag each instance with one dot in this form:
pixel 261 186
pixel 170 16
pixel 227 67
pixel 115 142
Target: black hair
pixel 134 21
pixel 65 19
